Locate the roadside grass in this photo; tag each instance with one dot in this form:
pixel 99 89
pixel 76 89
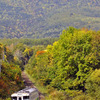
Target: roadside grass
pixel 6 99
pixel 49 93
pixel 43 90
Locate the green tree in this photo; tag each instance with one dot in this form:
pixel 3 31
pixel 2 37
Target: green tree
pixel 75 56
pixel 93 84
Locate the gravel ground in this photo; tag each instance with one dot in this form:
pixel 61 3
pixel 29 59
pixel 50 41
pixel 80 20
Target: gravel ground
pixel 29 83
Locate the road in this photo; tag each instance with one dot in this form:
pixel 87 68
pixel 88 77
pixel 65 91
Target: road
pixel 29 83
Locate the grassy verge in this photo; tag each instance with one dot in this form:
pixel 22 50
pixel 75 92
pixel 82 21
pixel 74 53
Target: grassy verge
pixel 42 89
pixel 6 99
pixel 48 92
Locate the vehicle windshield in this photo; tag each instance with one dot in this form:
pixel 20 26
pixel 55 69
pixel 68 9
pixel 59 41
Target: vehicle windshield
pixel 14 98
pixel 20 98
pixel 26 98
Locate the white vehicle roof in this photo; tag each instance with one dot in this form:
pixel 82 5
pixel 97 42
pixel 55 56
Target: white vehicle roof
pixel 24 92
pixel 19 94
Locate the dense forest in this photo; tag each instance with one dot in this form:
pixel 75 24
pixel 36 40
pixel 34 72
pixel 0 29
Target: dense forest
pixel 10 73
pixel 14 54
pixel 70 68
pixel 46 18
pixel 36 36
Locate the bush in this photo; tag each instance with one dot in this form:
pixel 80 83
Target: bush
pixel 93 84
pixel 82 97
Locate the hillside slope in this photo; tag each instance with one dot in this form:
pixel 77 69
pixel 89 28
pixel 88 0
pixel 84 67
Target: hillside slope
pixel 40 19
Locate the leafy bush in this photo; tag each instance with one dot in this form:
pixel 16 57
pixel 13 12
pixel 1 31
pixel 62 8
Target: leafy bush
pixel 93 84
pixel 68 64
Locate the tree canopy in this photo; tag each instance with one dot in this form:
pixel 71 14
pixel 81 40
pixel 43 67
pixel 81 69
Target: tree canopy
pixel 71 64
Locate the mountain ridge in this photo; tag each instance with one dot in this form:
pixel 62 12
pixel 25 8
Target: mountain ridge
pixel 40 19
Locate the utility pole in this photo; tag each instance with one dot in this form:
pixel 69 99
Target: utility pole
pixel 3 53
pixel 0 67
pixel 3 57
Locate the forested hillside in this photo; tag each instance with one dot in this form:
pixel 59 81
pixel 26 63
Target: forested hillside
pixel 10 73
pixel 71 65
pixel 69 68
pixel 46 18
pixel 14 55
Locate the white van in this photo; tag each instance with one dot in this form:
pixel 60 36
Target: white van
pixel 26 94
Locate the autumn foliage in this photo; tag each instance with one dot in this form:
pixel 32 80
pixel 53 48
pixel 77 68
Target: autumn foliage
pixel 10 76
pixel 39 53
pixel 71 65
